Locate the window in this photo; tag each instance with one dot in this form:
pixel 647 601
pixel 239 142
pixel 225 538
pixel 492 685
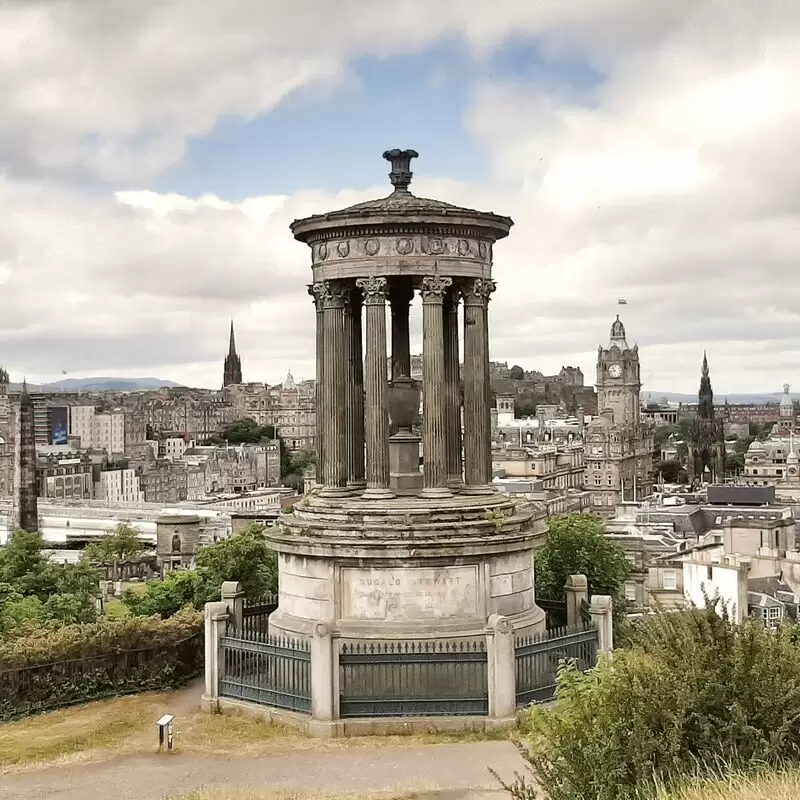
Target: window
pixel 670 579
pixel 709 573
pixel 630 591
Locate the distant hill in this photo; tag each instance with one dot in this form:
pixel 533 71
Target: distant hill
pixel 733 399
pixel 101 385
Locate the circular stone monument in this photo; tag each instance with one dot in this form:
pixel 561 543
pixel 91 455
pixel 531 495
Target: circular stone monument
pixel 380 550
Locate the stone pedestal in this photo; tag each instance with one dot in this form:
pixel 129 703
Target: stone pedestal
pixel 404 473
pixel 409 567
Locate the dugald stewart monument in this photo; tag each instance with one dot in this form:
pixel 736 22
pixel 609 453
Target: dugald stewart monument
pixel 381 550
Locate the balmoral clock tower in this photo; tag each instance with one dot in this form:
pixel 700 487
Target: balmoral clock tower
pixel 618 450
pixel 618 381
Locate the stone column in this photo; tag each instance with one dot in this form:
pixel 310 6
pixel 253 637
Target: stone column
pixel 452 386
pixel 355 391
pixel 376 386
pixel 334 373
pixel 601 612
pixel 577 591
pixel 216 620
pixel 434 391
pixel 400 296
pixel 232 595
pixel 501 672
pixel 477 430
pixel 322 676
pixel 488 288
pixel 316 290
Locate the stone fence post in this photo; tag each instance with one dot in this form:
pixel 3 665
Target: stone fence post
pixel 601 609
pixel 577 590
pixel 233 594
pixel 324 681
pixel 216 620
pixel 501 673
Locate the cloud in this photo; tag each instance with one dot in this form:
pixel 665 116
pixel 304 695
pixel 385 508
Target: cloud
pixel 674 183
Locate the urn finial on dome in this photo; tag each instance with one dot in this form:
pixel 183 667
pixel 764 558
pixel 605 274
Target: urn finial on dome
pixel 401 173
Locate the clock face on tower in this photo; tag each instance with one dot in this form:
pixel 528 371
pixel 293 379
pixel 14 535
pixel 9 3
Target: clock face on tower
pixel 615 370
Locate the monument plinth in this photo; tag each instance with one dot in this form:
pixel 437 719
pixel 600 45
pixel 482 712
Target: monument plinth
pixel 379 550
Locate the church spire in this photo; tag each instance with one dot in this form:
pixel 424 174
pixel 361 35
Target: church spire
pixel 232 368
pixel 232 345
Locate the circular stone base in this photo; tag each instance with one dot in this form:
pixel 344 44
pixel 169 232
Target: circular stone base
pixel 408 567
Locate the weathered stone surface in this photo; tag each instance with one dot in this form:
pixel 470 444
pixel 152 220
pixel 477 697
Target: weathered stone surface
pixel 406 594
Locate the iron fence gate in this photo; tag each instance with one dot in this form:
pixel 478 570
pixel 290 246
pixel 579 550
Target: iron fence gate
pixel 413 678
pixel 536 660
pixel 270 670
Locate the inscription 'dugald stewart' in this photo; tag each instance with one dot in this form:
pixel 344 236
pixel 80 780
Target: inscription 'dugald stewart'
pixel 409 594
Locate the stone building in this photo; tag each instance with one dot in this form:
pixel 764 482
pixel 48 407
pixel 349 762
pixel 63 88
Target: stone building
pixel 618 447
pixel 706 461
pixel 232 368
pixel 63 478
pixel 289 407
pixel 431 554
pixel 177 540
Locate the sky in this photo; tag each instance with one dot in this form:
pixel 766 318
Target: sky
pixel 153 155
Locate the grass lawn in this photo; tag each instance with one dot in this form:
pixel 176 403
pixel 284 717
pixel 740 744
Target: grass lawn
pixel 126 725
pixel 231 794
pixel 769 786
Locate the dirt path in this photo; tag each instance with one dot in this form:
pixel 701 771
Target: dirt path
pixel 457 770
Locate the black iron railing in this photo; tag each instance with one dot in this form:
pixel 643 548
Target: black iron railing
pixel 413 678
pixel 537 659
pixel 269 670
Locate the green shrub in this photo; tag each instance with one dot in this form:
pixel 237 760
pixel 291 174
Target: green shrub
pixel 693 692
pixel 43 667
pixel 31 644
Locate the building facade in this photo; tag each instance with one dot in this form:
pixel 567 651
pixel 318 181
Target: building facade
pixel 618 448
pixel 65 478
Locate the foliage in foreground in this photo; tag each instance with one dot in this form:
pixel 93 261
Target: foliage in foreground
pixel 245 557
pixel 693 692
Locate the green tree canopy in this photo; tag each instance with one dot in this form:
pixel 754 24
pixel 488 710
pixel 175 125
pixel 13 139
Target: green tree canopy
pixel 577 545
pixel 32 587
pixel 245 557
pixel 517 373
pixel 122 544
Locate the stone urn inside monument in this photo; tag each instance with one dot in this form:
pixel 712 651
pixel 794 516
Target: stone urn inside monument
pixel 404 394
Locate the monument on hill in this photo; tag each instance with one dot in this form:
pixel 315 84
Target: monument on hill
pixel 380 550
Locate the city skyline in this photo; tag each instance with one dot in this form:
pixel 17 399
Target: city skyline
pixel 635 161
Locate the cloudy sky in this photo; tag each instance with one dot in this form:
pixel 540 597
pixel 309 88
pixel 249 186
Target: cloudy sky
pixel 153 154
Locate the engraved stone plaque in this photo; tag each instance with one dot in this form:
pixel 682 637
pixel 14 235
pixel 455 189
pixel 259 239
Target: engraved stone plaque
pixel 400 595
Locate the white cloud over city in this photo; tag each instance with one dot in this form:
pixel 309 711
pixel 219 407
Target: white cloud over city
pixel 674 185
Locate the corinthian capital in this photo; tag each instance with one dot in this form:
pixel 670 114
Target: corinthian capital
pixel 477 292
pixel 374 289
pixel 434 288
pixel 332 294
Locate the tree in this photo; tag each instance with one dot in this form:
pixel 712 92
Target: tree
pixel 517 373
pixel 35 588
pixel 669 471
pixel 577 545
pixel 247 431
pixel 122 544
pixel 244 557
